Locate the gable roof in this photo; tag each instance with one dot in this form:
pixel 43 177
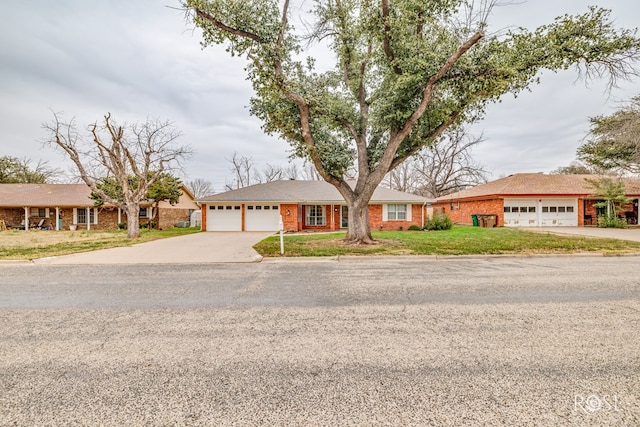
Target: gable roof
pixel 45 195
pixel 537 184
pixel 299 191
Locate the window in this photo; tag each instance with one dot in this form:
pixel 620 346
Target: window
pixel 570 209
pixel 545 209
pixel 553 209
pixel 507 209
pixel 236 208
pixel 396 212
pixel 532 209
pixel 250 208
pixel 258 208
pixel 523 209
pixel 220 208
pixel 266 208
pixel 315 215
pixel 228 208
pixel 144 213
pixel 561 209
pixel 82 216
pixel 39 212
pixel 275 208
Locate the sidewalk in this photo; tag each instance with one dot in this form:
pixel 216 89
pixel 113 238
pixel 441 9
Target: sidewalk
pixel 198 248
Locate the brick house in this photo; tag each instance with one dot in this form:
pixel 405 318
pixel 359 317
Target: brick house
pixel 534 200
pixel 305 205
pixel 63 206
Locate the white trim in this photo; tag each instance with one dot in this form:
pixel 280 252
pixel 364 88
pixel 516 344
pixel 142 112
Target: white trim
pixel 385 211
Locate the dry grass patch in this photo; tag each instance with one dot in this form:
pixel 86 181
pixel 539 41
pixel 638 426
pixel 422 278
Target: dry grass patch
pixel 33 244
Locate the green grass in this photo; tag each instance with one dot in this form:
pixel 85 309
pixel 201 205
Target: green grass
pixel 28 245
pixel 460 240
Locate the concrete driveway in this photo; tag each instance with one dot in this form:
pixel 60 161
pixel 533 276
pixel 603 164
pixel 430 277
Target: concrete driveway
pixel 198 248
pixel 632 234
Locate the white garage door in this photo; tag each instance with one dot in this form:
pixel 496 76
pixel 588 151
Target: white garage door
pixel 540 212
pixel 224 218
pixel 559 212
pixel 261 217
pixel 521 212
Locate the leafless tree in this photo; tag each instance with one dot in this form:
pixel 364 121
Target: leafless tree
pixel 441 169
pixel 272 173
pixel 134 156
pixel 242 168
pixel 200 188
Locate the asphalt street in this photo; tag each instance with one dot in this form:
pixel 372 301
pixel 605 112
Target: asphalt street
pixel 359 342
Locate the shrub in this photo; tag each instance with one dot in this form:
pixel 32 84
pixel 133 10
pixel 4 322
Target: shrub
pixel 605 221
pixel 122 225
pixel 414 227
pixel 439 222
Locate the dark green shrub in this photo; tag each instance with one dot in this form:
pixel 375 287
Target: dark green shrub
pixel 439 222
pixel 414 227
pixel 122 225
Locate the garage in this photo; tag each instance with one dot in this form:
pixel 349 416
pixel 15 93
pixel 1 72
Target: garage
pixel 227 217
pixel 541 212
pixel 262 217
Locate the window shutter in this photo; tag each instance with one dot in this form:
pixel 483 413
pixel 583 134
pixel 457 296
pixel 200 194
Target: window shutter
pixel 46 212
pixel 385 213
pixel 409 209
pixel 75 215
pixel 95 215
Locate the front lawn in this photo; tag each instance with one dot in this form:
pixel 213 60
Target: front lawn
pixel 33 244
pixel 460 240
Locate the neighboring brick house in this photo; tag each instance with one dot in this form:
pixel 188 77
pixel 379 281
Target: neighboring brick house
pixel 305 205
pixel 534 200
pixel 65 206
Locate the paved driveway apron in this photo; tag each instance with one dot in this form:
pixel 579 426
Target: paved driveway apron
pixel 198 248
pixel 632 234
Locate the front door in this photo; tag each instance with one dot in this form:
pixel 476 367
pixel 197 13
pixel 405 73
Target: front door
pixel 344 217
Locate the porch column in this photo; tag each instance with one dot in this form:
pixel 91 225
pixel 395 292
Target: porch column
pixel 58 224
pixel 119 215
pixel 26 218
pixel 88 210
pixel 333 219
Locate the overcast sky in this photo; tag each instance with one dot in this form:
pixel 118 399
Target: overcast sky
pixel 139 59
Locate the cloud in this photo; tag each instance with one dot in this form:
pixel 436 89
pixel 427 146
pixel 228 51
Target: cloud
pixel 139 59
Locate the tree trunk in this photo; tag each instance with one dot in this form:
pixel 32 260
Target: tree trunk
pixel 359 231
pixel 133 222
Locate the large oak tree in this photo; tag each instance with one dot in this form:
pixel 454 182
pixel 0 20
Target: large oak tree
pixel 404 71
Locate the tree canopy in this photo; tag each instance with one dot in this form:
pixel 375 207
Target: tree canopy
pixel 614 140
pixel 19 171
pixel 404 72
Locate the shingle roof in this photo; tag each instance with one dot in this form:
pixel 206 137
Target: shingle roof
pixel 537 184
pixel 297 191
pixel 45 195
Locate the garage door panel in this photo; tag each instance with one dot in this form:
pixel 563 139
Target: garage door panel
pixel 262 217
pixel 224 218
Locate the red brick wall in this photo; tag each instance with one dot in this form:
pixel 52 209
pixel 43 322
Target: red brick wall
pixel 289 213
pixel 377 223
pixel 462 211
pixel 333 213
pixel 107 218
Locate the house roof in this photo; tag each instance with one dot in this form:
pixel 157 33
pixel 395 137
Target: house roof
pixel 45 195
pixel 65 196
pixel 537 184
pixel 299 191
